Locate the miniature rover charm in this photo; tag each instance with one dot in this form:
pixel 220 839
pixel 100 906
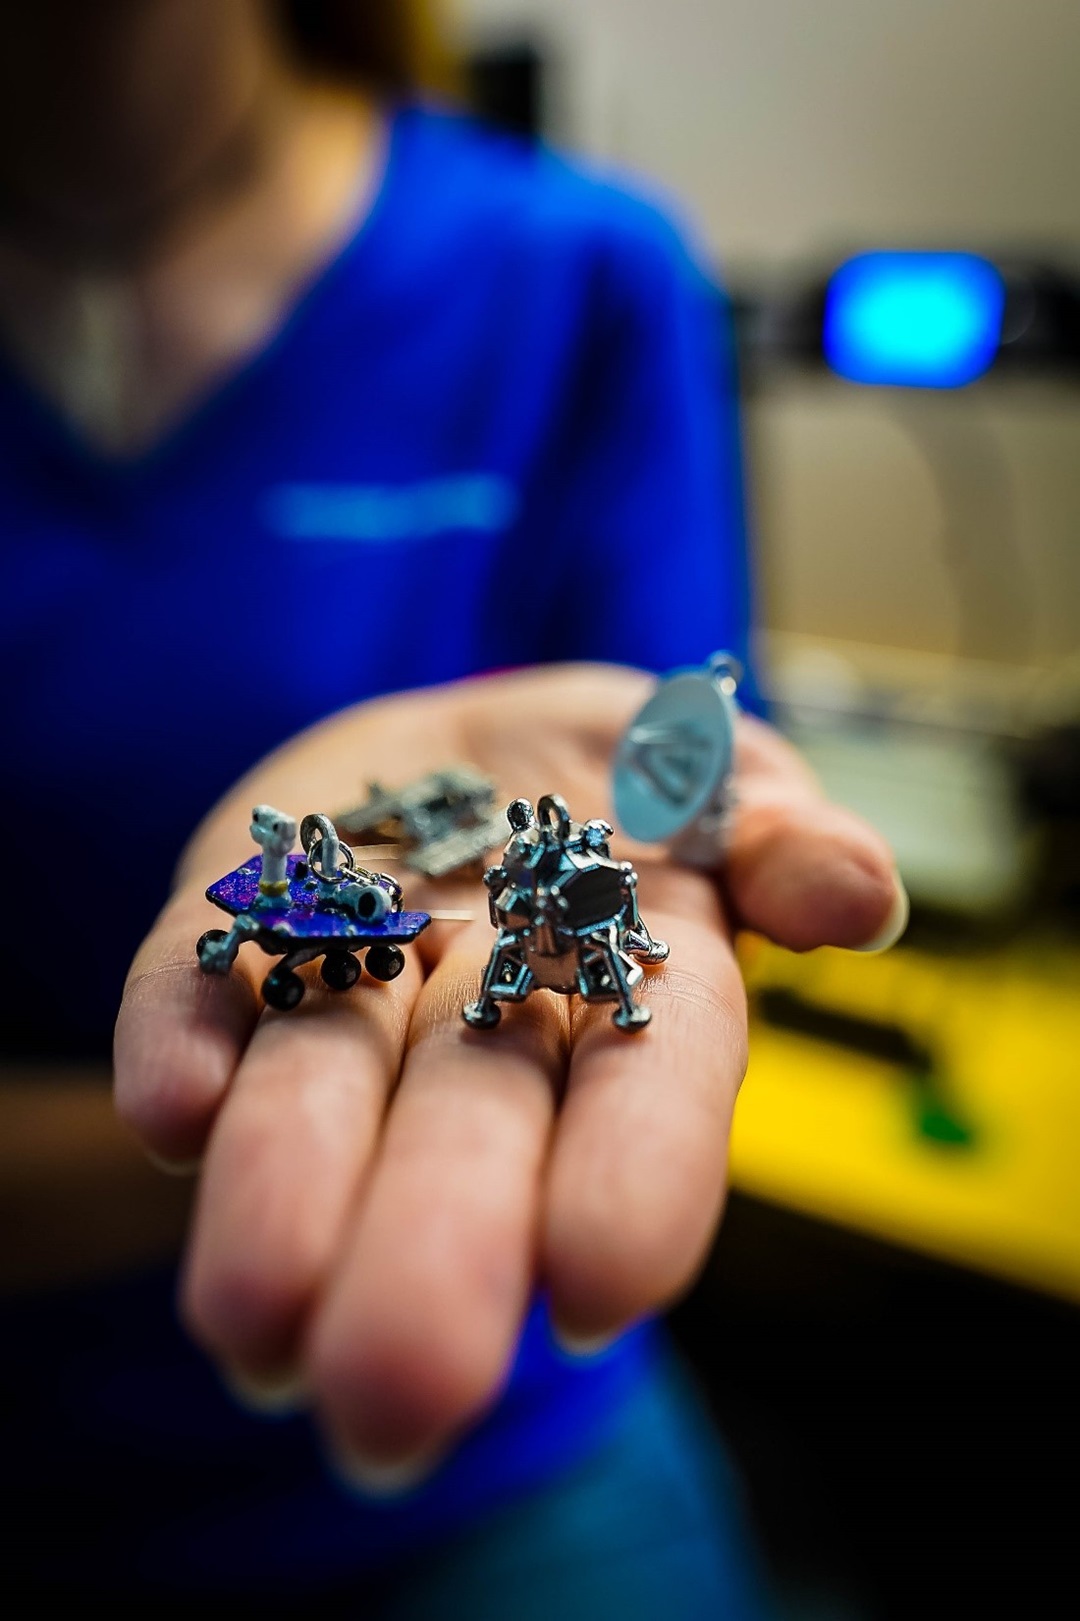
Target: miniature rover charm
pixel 671 777
pixel 320 904
pixel 446 820
pixel 567 918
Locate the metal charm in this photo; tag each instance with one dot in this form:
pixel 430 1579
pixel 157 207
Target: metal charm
pixel 320 904
pixel 446 821
pixel 567 917
pixel 670 781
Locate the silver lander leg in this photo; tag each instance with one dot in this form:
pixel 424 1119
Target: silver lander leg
pixel 507 978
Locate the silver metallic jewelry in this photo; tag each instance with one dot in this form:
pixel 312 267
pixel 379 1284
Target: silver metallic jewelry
pixel 567 917
pixel 671 776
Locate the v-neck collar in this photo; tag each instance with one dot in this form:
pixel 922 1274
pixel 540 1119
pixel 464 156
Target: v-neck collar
pixel 361 236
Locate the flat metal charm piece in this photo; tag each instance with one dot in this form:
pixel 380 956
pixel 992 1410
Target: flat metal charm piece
pixel 567 918
pixel 670 779
pixel 300 907
pixel 446 820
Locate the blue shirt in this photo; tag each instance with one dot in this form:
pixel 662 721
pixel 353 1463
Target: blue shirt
pixel 498 429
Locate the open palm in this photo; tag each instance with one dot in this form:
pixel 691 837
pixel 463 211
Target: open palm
pixel 383 1188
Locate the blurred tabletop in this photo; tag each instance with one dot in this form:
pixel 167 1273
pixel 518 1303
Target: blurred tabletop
pixel 973 1157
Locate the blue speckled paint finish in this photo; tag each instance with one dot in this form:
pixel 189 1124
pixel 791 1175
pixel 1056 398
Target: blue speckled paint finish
pixel 305 919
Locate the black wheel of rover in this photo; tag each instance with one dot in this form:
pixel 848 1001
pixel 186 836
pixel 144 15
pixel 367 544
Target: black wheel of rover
pixel 282 989
pixel 385 962
pixel 212 936
pixel 340 970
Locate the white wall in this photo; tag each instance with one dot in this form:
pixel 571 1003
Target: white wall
pixel 798 126
pixel 789 122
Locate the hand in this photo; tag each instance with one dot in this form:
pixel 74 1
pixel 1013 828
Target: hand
pixel 383 1188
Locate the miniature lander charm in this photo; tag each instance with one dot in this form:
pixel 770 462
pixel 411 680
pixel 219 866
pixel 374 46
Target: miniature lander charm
pixel 567 918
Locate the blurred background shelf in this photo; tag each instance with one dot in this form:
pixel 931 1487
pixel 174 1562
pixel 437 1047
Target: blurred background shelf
pixel 973 1156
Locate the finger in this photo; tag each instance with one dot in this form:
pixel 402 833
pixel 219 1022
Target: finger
pixel 798 869
pixel 637 1173
pixel 179 1034
pixel 453 903
pixel 286 1159
pixel 422 1316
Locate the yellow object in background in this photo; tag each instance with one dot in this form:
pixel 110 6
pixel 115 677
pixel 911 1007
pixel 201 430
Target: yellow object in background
pixel 858 1141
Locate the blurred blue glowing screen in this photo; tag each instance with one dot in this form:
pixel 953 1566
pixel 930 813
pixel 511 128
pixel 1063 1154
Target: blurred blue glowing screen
pixel 915 320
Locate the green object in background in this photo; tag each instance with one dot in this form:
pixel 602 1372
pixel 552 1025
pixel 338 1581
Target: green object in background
pixel 935 1119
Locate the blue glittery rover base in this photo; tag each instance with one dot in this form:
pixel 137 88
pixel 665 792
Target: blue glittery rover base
pixel 307 920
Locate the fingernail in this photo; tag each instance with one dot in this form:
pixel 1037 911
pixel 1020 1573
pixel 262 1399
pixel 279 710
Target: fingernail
pixel 379 1478
pixel 174 1167
pixel 895 923
pixel 267 1396
pixel 583 1345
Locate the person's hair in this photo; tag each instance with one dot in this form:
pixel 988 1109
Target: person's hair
pixel 391 46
